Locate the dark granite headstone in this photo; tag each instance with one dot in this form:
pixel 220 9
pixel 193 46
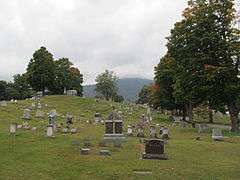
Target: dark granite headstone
pixel 118 127
pixel 154 149
pixel 109 127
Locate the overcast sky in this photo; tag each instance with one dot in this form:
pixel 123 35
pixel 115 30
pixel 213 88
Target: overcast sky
pixel 126 36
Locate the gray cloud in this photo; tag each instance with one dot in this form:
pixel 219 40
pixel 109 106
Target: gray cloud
pixel 126 36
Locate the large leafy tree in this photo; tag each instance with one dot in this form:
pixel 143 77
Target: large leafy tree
pixel 21 86
pixel 206 49
pixel 76 80
pixel 41 70
pixel 62 75
pixel 3 85
pixel 107 85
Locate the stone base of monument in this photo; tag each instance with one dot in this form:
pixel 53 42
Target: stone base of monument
pixel 154 156
pixel 114 137
pixel 104 153
pixel 85 151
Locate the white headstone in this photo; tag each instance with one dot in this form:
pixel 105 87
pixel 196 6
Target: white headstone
pixel 13 128
pixel 50 131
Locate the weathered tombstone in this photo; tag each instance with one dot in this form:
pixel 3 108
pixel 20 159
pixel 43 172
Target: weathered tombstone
pixel 39 106
pixel 161 130
pixel 73 130
pixel 104 153
pixel 97 117
pixel 113 127
pixel 85 151
pixel 34 128
pixel 203 128
pixel 19 126
pixel 140 132
pixel 65 130
pixel 165 134
pixel 154 149
pixel 69 120
pixel 129 130
pixel 3 103
pixel 27 114
pixel 217 135
pixel 153 132
pixel 183 124
pixel 13 128
pixel 39 114
pixel 51 117
pixel 50 131
pixel 71 92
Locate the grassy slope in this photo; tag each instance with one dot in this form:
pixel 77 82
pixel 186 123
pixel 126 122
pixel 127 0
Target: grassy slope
pixel 32 156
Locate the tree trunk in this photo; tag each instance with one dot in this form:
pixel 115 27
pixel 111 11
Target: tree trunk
pixel 210 114
pixel 184 112
pixel 234 109
pixel 190 111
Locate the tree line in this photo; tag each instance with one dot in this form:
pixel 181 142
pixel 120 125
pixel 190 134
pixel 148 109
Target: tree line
pixel 43 74
pixel 202 63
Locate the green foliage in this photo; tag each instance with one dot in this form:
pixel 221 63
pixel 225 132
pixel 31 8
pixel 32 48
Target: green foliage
pixel 205 48
pixel 107 84
pixel 144 95
pixel 62 75
pixel 76 80
pixel 41 70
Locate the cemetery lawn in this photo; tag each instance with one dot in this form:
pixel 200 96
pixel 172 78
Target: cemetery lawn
pixel 30 155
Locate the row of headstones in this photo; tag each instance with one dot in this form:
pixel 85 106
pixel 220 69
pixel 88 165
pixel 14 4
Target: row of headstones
pixel 163 132
pixel 202 128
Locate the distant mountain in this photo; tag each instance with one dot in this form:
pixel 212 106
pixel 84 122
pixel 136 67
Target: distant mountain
pixel 127 87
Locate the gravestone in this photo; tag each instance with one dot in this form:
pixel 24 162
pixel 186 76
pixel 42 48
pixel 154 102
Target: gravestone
pixel 65 130
pixel 26 114
pixel 39 106
pixel 140 132
pixel 217 135
pixel 183 124
pixel 85 151
pixel 203 128
pixel 50 131
pixel 51 117
pixel 3 104
pixel 13 128
pixel 165 134
pixel 39 114
pixel 129 130
pixel 97 117
pixel 73 130
pixel 154 149
pixel 69 120
pixel 161 130
pixel 104 153
pixel 153 132
pixel 113 127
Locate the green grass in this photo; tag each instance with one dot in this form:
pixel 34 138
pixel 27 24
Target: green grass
pixel 30 155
